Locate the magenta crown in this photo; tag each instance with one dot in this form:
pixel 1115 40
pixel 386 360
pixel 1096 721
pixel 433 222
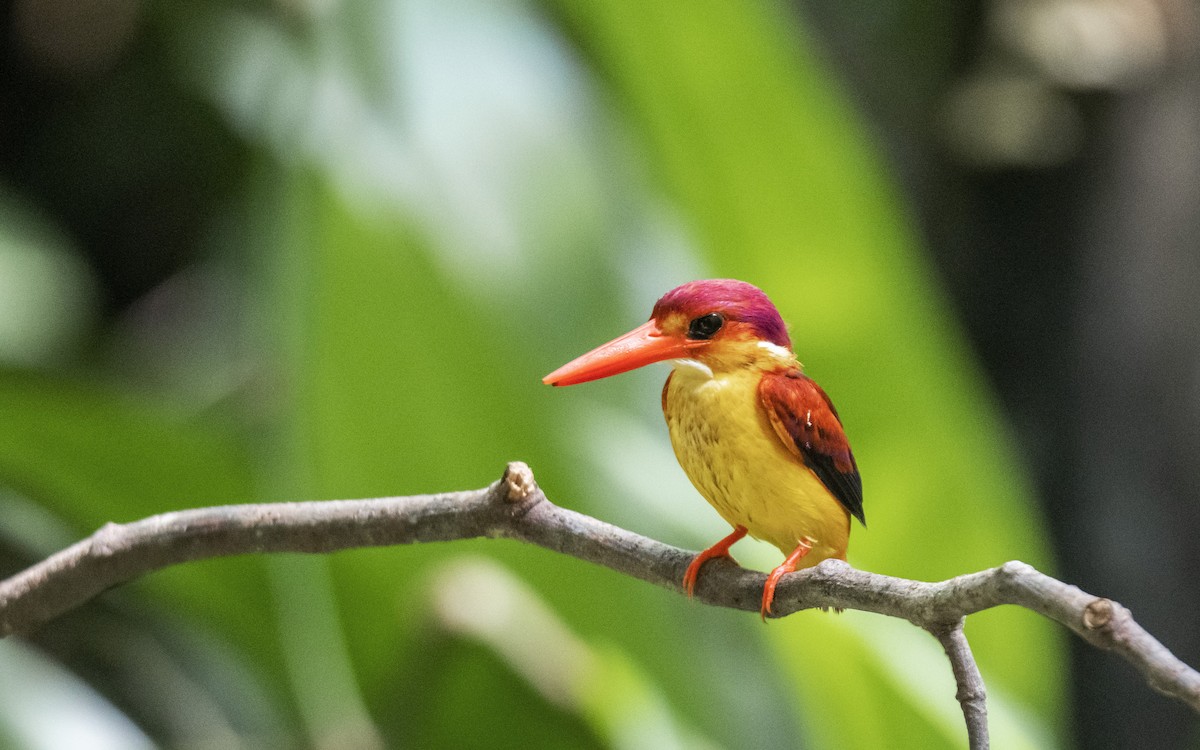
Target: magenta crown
pixel 736 300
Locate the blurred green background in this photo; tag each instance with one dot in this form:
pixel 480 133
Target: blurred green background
pixel 311 249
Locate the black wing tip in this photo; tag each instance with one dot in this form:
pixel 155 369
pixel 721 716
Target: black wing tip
pixel 846 487
pixel 854 500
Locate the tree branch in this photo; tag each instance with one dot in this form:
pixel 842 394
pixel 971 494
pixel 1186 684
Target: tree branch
pixel 972 695
pixel 515 508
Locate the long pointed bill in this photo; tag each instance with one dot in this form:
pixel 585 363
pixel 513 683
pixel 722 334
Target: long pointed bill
pixel 641 346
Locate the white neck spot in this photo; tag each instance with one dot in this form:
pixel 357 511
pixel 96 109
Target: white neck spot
pixel 694 364
pixel 776 351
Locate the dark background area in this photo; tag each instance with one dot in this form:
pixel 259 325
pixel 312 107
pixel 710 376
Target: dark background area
pixel 1073 256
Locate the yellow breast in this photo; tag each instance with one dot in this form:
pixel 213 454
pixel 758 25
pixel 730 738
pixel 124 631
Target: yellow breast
pixel 734 458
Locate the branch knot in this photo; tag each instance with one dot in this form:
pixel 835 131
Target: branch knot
pixel 518 482
pixel 1098 614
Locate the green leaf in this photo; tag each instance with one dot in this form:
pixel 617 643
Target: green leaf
pixel 751 139
pixel 399 384
pixel 88 456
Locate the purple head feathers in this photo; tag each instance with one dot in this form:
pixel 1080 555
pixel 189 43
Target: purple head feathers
pixel 736 300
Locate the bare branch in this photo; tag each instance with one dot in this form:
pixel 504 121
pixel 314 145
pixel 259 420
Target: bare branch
pixel 515 508
pixel 972 695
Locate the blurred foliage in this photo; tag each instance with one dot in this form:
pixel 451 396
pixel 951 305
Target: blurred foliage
pixel 402 215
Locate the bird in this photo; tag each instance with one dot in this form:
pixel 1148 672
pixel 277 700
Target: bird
pixel 758 438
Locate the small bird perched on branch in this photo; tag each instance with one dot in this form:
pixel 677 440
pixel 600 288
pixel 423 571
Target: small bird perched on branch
pixel 758 438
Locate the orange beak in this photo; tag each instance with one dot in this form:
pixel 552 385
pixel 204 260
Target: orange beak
pixel 641 346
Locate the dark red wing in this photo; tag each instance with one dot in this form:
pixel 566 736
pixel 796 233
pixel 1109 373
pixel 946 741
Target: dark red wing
pixel 806 422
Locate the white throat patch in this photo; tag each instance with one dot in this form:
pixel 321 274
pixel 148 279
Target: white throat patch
pixel 777 351
pixel 696 365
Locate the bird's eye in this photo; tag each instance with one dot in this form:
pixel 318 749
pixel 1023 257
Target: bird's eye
pixel 705 326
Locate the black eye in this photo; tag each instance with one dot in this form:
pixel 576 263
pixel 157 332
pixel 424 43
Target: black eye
pixel 705 326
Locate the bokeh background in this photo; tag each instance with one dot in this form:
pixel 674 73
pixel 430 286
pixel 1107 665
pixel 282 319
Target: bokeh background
pixel 310 249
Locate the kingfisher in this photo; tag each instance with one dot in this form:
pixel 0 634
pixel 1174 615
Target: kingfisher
pixel 759 439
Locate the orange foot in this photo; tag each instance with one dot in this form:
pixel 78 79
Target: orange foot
pixel 789 565
pixel 720 549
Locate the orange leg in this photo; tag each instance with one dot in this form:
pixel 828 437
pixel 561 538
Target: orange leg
pixel 789 566
pixel 720 549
